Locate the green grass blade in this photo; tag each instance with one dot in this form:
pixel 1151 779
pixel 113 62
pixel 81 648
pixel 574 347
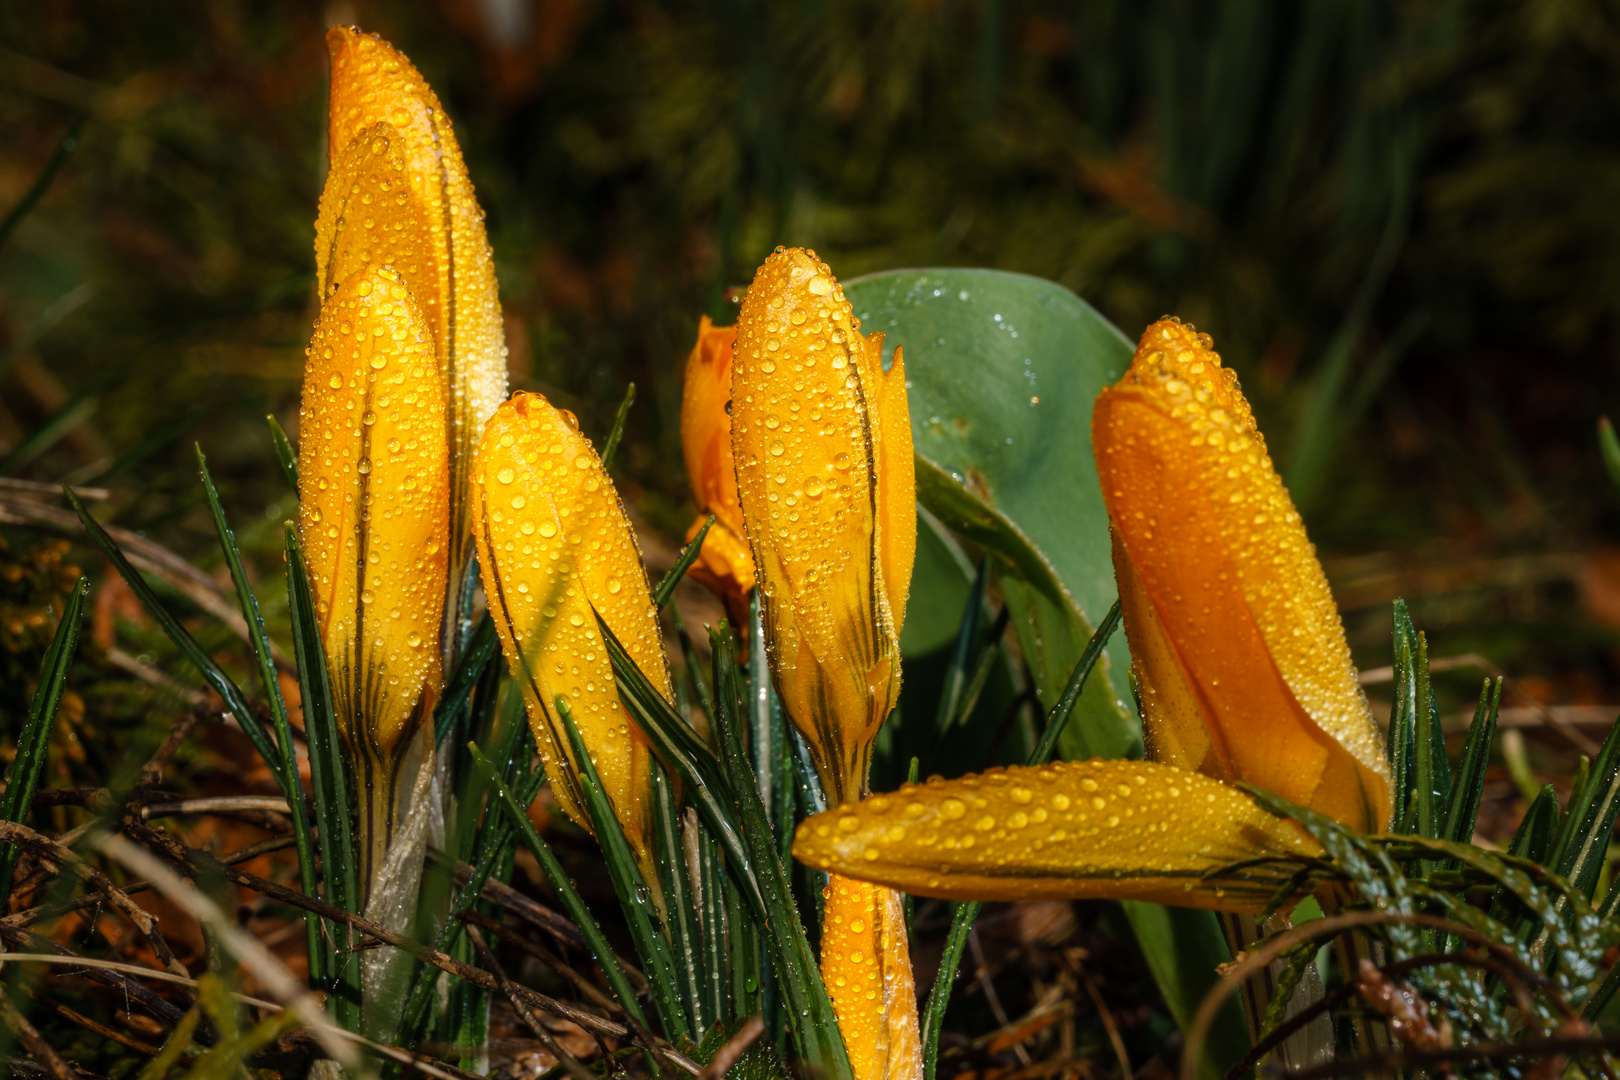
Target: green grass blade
pixel 680 746
pixel 680 906
pixel 743 938
pixel 1431 772
pixel 260 642
pixel 634 895
pixel 689 554
pixel 569 896
pixel 967 636
pixel 611 446
pixel 284 451
pixel 1476 758
pixel 34 740
pixel 965 914
pixel 210 671
pixel 989 656
pixel 482 648
pixel 816 1035
pixel 1582 843
pixel 1403 720
pixel 711 906
pixel 328 784
pixel 762 741
pixel 42 180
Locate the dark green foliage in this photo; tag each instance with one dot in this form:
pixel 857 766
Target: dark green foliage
pixel 652 944
pixel 34 740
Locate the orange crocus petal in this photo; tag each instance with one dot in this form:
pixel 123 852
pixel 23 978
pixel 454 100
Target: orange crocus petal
pixel 1125 830
pixel 450 270
pixel 817 436
pixel 866 965
pixel 725 565
pixel 373 503
pixel 554 543
pixel 1237 644
pixel 373 518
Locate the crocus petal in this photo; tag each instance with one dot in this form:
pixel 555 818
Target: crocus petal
pixel 554 543
pixel 725 564
pixel 1236 642
pixel 1074 830
pixel 866 966
pixel 373 513
pixel 451 273
pixel 811 428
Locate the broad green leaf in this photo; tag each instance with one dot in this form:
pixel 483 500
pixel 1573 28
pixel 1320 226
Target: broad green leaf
pixel 1002 370
pixel 939 589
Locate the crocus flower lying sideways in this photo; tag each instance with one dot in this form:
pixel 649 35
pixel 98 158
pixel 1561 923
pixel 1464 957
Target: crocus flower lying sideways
pixel 398 195
pixel 554 543
pixel 724 564
pixel 822 438
pixel 1244 671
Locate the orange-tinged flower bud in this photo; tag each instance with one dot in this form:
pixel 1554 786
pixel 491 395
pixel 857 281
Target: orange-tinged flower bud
pixel 825 477
pixel 554 543
pixel 1236 643
pixel 822 437
pixel 1123 830
pixel 399 195
pixel 373 516
pixel 725 564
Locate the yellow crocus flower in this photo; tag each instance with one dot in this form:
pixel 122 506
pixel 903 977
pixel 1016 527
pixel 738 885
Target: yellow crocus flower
pixel 398 195
pixel 822 438
pixel 724 564
pixel 373 515
pixel 1244 672
pixel 553 544
pixel 1236 643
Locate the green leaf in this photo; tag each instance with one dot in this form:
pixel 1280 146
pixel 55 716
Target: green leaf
pixel 284 451
pixel 940 580
pixel 617 432
pixel 1582 842
pixel 567 893
pixel 1403 720
pixel 328 784
pixel 1002 370
pixel 967 643
pixel 689 555
pixel 680 906
pixel 210 671
pixel 260 641
pixel 483 647
pixel 816 1034
pixel 34 740
pixel 1476 758
pixel 635 898
pixel 1431 771
pixel 681 747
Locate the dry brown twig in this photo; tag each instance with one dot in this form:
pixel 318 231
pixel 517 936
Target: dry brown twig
pixel 142 919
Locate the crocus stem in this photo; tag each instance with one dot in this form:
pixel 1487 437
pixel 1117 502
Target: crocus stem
pixel 866 964
pixel 376 820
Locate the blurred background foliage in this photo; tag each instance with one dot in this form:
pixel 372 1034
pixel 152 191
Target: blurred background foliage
pixel 1400 221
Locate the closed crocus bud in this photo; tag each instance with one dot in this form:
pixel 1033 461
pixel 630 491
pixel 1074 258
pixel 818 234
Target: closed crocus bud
pixel 822 436
pixel 553 544
pixel 398 195
pixel 724 564
pixel 1236 643
pixel 373 516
